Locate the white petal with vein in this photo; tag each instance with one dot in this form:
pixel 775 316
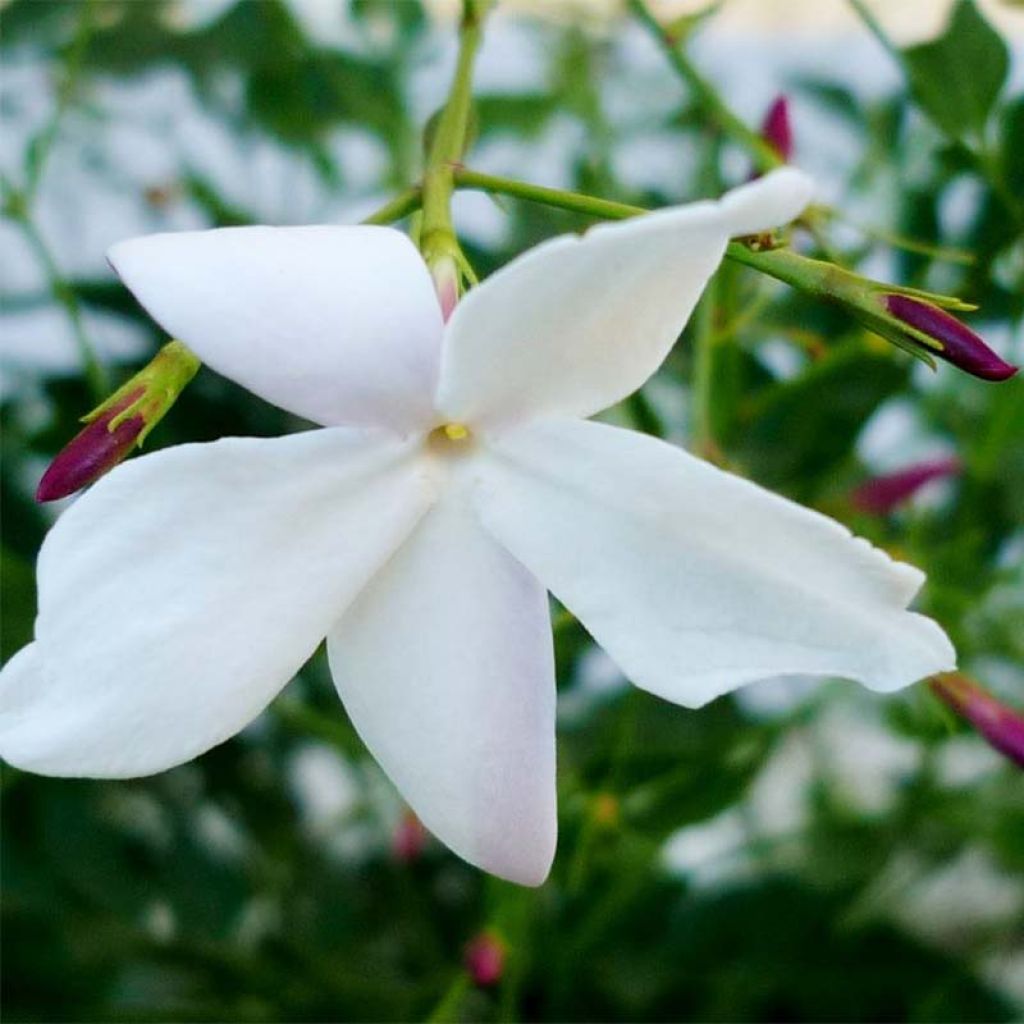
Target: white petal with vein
pixel 696 581
pixel 182 591
pixel 445 666
pixel 337 324
pixel 578 323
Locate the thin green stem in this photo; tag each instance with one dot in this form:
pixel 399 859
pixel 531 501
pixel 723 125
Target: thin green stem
pixel 449 1005
pixel 39 148
pixel 437 237
pixel 874 26
pixel 768 262
pixel 761 152
pixel 701 421
pixel 577 202
pixel 401 206
pixel 65 296
pixel 18 202
pixel 898 241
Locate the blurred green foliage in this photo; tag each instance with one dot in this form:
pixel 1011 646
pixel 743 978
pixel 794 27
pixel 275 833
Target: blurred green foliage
pixel 220 891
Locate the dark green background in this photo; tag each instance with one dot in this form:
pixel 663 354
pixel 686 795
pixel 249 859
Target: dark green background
pixel 829 856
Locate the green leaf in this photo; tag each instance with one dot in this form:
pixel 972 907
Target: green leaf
pixel 798 431
pixel 670 767
pixel 1013 145
pixel 957 77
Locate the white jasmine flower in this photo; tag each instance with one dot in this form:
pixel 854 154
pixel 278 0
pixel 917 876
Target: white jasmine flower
pixel 456 479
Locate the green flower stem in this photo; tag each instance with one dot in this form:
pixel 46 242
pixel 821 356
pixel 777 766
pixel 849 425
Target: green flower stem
pixel 18 202
pixel 576 202
pixel 783 264
pixel 895 240
pixel 401 206
pixel 762 153
pixel 437 237
pixel 874 26
pixel 39 147
pixel 449 1007
pixel 702 413
pixel 64 295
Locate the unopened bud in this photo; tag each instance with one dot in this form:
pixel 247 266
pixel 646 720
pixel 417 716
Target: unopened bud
pixel 445 273
pixel 485 958
pixel 882 494
pixel 776 129
pixel 957 343
pixel 1001 726
pixel 409 839
pixel 121 423
pixel 917 321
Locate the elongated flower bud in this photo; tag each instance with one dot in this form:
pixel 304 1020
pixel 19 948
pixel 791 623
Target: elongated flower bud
pixel 776 129
pixel 914 320
pixel 485 959
pixel 882 494
pixel 1001 726
pixel 958 344
pixel 92 451
pixel 120 423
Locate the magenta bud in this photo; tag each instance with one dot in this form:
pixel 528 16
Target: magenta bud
pixel 485 959
pixel 409 839
pixel 1001 726
pixel 92 451
pixel 959 344
pixel 882 494
pixel 120 423
pixel 776 129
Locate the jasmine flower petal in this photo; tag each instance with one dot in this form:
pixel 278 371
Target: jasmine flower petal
pixel 580 322
pixel 445 666
pixel 339 325
pixel 182 591
pixel 696 581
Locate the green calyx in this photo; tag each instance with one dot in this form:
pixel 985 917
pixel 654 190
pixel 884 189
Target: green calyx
pixel 151 392
pixel 861 297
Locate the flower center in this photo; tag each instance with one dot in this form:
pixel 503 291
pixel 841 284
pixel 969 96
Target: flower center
pixel 450 439
pixel 455 431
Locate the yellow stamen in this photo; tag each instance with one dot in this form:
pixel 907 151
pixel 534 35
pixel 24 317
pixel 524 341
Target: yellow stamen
pixel 455 432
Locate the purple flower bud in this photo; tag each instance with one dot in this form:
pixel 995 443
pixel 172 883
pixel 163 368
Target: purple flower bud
pixel 1001 726
pixel 92 451
pixel 485 959
pixel 960 345
pixel 776 129
pixel 120 423
pixel 881 494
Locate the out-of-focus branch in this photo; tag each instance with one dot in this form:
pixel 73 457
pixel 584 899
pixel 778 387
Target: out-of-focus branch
pixel 764 155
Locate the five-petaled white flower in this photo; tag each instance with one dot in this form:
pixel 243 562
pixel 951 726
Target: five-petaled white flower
pixel 456 478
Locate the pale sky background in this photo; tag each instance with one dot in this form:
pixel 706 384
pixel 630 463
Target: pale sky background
pixel 907 20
